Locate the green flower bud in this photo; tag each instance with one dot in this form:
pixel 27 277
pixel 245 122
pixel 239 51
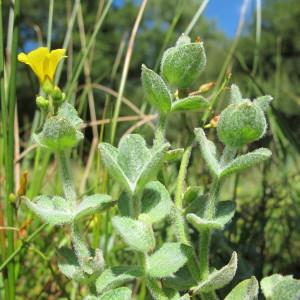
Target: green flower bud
pixel 42 103
pixel 181 65
pixel 57 95
pixel 241 124
pixel 47 86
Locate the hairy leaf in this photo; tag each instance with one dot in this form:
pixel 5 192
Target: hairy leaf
pixel 218 278
pixel 245 290
pixel 136 234
pixel 156 202
pixel 156 91
pixel 191 103
pixel 208 150
pixel 167 260
pixel 122 293
pixel 54 210
pixel 117 276
pixel 245 161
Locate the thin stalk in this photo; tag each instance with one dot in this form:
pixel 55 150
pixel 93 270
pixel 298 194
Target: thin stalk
pixel 50 22
pixel 68 185
pixel 4 134
pixel 125 70
pixel 205 236
pixel 10 148
pixel 196 17
pixel 23 245
pixel 72 83
pixel 181 177
pixel 160 131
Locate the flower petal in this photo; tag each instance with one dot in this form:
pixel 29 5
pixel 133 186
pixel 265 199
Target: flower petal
pixel 55 57
pixel 36 61
pixel 22 57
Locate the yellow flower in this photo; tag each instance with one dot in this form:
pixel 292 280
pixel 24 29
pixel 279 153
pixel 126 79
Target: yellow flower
pixel 43 62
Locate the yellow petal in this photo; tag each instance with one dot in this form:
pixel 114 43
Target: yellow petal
pixel 55 57
pixel 36 59
pixel 22 57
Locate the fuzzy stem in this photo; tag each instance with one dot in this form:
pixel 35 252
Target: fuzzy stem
pixel 205 236
pixel 68 186
pixel 181 177
pixel 160 130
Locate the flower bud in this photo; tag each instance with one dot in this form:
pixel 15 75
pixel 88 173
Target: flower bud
pixel 47 86
pixel 241 124
pixel 181 65
pixel 57 95
pixel 42 103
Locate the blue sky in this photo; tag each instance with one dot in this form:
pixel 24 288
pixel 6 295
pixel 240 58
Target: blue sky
pixel 224 12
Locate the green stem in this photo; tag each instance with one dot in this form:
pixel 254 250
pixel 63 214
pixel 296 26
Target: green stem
pixel 155 289
pixel 204 245
pixel 81 249
pixel 160 130
pixel 68 185
pixel 205 236
pixel 50 21
pixel 181 177
pixel 210 209
pixel 24 244
pixel 11 101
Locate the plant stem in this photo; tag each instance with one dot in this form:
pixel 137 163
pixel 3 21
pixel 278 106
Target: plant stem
pixel 204 245
pixel 11 102
pixel 24 244
pixel 160 130
pixel 205 236
pixel 68 185
pixel 181 177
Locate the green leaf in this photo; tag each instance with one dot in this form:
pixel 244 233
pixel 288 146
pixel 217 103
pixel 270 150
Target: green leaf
pixel 68 264
pixel 68 112
pixel 133 164
pixel 235 94
pixel 156 91
pixel 245 290
pixel 268 284
pixel 218 278
pixel 124 205
pixel 58 134
pixel 116 276
pixel 109 155
pixel 152 166
pixel 224 213
pixel 90 297
pixel 246 161
pixel 208 150
pixel 173 155
pixel 182 65
pixel 191 103
pixel 192 193
pixel 92 204
pixel 167 260
pixel 136 234
pixel 278 287
pixel 54 210
pixel 287 288
pixel 181 280
pixel 122 293
pixel 263 102
pixel 156 202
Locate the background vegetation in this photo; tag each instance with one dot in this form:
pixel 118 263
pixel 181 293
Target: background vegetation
pixel 263 59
